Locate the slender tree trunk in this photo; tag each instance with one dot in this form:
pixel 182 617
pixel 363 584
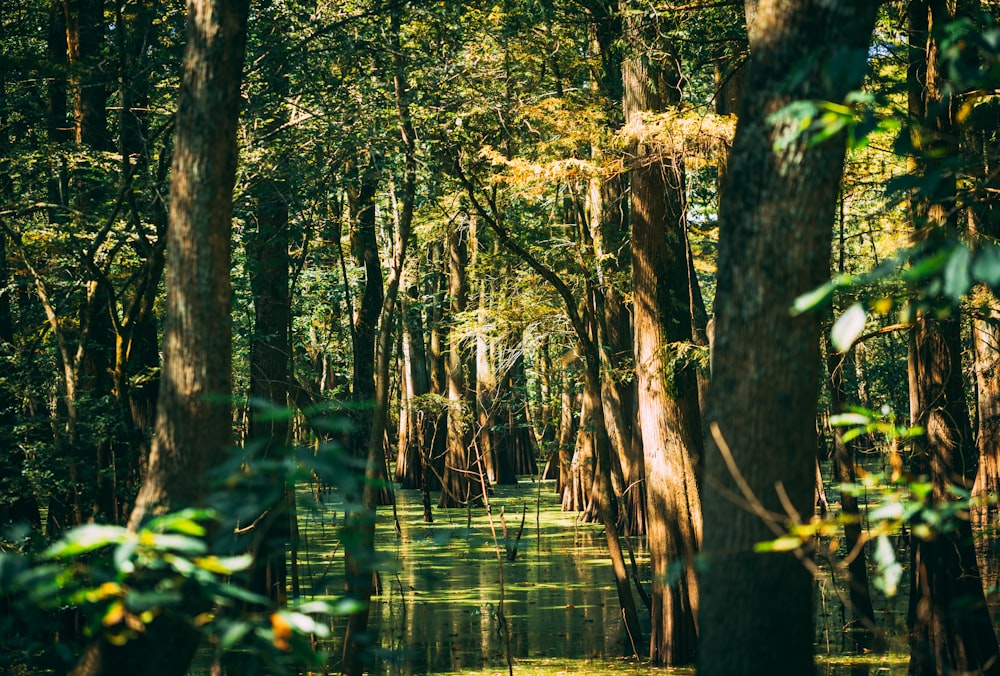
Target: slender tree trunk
pixel 360 522
pixel 85 27
pixel 460 481
pixel 669 417
pixel 267 435
pixel 861 627
pixel 194 417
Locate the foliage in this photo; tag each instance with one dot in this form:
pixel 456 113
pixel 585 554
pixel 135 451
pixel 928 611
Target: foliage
pixel 180 566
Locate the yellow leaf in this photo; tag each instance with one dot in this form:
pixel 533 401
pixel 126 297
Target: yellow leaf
pixel 114 614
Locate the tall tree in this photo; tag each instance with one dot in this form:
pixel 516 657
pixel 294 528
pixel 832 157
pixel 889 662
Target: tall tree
pixel 669 417
pixel 949 622
pixel 194 416
pixel 775 226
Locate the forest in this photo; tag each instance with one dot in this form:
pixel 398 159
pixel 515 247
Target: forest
pixel 536 336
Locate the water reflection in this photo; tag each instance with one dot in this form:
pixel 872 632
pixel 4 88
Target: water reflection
pixel 438 610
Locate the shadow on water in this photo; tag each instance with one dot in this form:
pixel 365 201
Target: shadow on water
pixel 439 606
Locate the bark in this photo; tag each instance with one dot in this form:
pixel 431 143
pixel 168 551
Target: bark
pixel 775 226
pixel 193 427
pixel 569 423
pixel 520 439
pixel 267 435
pixel 950 627
pixel 364 249
pixel 85 29
pixel 460 480
pixel 57 129
pixel 360 523
pixel 669 417
pixel 415 448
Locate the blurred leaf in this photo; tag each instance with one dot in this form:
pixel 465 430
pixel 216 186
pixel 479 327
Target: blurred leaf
pixel 843 419
pixel 889 570
pixel 811 299
pixel 986 266
pixel 178 543
pixel 224 565
pixel 233 634
pixel 86 538
pixel 138 602
pixel 186 521
pixel 957 273
pixel 785 543
pixel 889 511
pixel 848 327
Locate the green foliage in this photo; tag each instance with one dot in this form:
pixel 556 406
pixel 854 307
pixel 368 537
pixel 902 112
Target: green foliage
pixel 894 503
pixel 121 581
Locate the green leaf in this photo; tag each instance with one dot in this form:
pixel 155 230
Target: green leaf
pixel 186 521
pixel 139 602
pixel 957 273
pixel 233 634
pixel 852 434
pixel 177 543
pixel 889 570
pixel 811 299
pixel 305 624
pixel 123 556
pixel 926 267
pixel 986 266
pixel 347 606
pixel 221 592
pixel 890 511
pixel 785 543
pixel 314 608
pixel 224 565
pixel 848 327
pixel 844 419
pixel 87 538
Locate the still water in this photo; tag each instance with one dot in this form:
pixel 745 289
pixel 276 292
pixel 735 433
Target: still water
pixel 439 610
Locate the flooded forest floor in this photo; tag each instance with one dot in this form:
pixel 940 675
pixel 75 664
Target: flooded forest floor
pixel 438 610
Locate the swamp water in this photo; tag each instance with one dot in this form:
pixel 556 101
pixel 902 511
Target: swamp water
pixel 438 611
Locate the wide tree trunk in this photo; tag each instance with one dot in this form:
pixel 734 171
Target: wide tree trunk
pixel 775 227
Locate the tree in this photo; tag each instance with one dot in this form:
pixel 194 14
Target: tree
pixel 949 622
pixel 194 419
pixel 669 417
pixel 775 226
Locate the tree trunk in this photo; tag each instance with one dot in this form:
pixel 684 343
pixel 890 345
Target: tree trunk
pixel 460 480
pixel 194 419
pixel 669 417
pixel 950 627
pixel 267 435
pixel 85 28
pixel 775 225
pixel 360 522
